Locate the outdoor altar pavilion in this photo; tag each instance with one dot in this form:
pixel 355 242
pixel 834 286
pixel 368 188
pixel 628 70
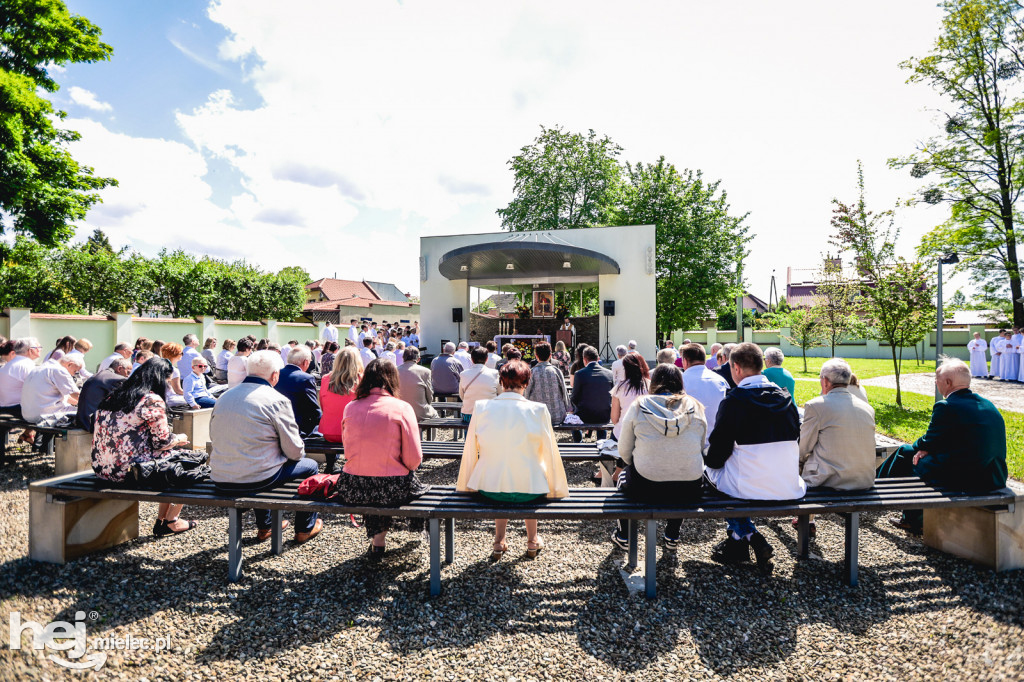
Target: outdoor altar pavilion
pixel 619 260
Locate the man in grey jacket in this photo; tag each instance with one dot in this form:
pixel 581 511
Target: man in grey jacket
pixel 256 442
pixel 415 384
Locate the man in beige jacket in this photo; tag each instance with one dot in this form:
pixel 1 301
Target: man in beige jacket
pixel 837 437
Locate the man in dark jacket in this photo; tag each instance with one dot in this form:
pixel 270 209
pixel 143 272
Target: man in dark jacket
pixel 592 393
pixel 963 449
pixel 97 387
pixel 754 452
pixel 300 388
pixel 725 369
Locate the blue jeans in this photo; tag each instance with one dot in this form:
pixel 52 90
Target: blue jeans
pixel 289 471
pixel 205 401
pixel 742 527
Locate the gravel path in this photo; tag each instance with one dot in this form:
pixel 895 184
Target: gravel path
pixel 322 612
pixel 1006 395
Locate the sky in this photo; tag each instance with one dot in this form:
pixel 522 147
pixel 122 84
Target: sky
pixel 333 134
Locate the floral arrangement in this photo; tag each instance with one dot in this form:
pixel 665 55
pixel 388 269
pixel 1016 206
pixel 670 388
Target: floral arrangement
pixel 561 311
pixel 524 346
pixel 524 311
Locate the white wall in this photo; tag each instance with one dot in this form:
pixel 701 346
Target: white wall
pixel 633 289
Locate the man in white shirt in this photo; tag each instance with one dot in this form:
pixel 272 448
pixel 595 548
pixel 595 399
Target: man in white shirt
pixel 618 373
pixel 366 353
pixel 477 383
pixel 462 355
pixel 121 350
pixel 287 348
pixel 237 365
pixel 702 384
pixel 330 332
pixel 50 390
pixel 353 331
pixel 12 375
pixel 364 332
pixel 995 347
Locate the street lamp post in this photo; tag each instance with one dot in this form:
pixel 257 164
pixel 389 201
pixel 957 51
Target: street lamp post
pixel 948 259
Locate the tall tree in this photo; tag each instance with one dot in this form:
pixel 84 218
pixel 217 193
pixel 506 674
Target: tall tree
pixel 976 159
pixel 897 296
pixel 29 279
pixel 804 331
pixel 700 246
pixel 43 190
pixel 563 180
pixel 836 304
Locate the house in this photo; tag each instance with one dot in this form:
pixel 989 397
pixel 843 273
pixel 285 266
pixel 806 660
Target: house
pixel 340 300
pixel 802 283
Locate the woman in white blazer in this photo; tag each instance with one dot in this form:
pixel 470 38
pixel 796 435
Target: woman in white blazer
pixel 511 454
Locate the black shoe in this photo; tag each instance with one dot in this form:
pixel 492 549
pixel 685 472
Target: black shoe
pixel 577 436
pixel 671 544
pixel 762 550
pixel 619 541
pixel 731 551
pixel 902 523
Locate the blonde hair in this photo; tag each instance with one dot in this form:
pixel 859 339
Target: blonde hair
pixel 83 345
pixel 169 351
pixel 348 367
pixel 560 347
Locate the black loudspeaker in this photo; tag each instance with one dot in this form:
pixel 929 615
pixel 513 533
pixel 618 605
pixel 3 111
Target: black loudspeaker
pixel 609 308
pixel 456 314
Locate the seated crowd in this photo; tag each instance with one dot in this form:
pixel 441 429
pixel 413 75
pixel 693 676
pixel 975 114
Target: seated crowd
pixel 727 423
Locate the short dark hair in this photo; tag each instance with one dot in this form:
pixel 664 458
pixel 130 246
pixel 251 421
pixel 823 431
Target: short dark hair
pixel 491 346
pixel 666 379
pixel 513 354
pixel 478 355
pixel 693 353
pixel 367 341
pixel 748 356
pixel 378 374
pixel 543 351
pixel 244 344
pixel 590 354
pixel 514 374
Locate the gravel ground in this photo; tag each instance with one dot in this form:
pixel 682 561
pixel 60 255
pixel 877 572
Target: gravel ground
pixel 323 612
pixel 1006 395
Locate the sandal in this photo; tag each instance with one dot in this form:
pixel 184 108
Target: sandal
pixel 532 552
pixel 497 551
pixel 375 552
pixel 163 528
pixel 812 527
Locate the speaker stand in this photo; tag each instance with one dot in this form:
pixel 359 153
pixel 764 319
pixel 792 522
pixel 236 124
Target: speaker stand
pixel 606 349
pixel 458 340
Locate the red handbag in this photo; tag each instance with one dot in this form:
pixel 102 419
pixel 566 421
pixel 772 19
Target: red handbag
pixel 320 486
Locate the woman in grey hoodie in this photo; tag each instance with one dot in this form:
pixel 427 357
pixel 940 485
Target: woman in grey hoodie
pixel 662 447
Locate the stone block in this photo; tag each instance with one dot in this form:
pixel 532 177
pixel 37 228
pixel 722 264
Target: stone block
pixel 196 425
pixel 62 529
pixel 991 538
pixel 74 453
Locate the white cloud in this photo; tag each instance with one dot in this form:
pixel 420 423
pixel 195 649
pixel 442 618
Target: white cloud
pixel 87 99
pixel 410 111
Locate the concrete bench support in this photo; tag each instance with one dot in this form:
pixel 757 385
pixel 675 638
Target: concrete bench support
pixel 74 453
pixel 992 538
pixel 62 529
pixel 196 425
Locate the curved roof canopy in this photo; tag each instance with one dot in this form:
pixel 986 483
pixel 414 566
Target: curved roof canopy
pixel 524 259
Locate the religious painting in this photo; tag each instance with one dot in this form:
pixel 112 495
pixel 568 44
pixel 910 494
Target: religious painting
pixel 544 303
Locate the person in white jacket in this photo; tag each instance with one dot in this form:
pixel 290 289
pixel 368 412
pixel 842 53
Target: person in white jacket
pixel 511 454
pixel 977 347
pixel 477 383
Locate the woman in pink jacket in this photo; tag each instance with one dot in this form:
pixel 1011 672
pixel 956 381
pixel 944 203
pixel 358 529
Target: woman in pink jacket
pixel 382 446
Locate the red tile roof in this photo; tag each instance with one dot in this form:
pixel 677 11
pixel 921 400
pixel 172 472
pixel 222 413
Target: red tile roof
pixel 337 289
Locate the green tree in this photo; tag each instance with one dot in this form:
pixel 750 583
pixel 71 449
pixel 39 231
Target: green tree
pixel 94 278
pixel 98 241
pixel 29 278
pixel 700 246
pixel 804 331
pixel 836 305
pixel 563 180
pixel 957 302
pixel 975 65
pixel 43 190
pixel 897 296
pixel 183 286
pixel 296 273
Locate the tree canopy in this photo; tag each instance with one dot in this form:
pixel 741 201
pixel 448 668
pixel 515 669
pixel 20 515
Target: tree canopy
pixel 974 161
pixel 568 180
pixel 43 189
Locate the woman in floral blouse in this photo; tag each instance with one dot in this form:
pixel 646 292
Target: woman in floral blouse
pixel 131 427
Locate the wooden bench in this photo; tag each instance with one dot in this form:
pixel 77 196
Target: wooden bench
pixel 432 449
pixel 457 423
pixel 71 447
pixel 53 521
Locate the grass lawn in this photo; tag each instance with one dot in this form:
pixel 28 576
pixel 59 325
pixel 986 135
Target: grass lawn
pixel 863 368
pixel 910 423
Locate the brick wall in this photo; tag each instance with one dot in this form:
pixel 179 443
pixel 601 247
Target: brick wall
pixel 483 328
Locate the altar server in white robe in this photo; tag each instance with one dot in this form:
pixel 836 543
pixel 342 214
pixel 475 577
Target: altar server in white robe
pixel 995 349
pixel 977 347
pixel 1010 358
